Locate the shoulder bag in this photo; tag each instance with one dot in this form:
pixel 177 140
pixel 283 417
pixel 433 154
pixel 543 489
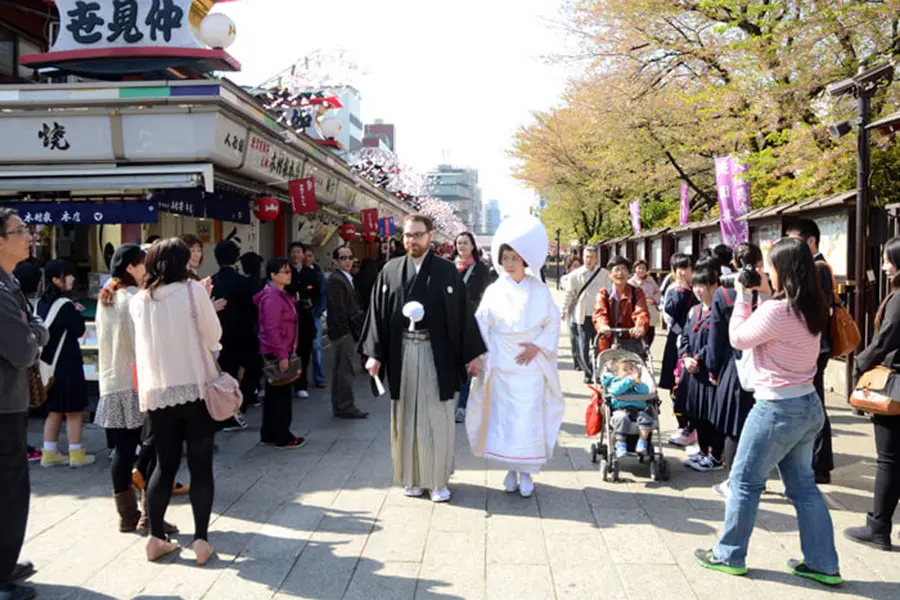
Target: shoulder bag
pixel 223 393
pixel 873 393
pixel 272 369
pixel 48 370
pixel 845 336
pixel 571 308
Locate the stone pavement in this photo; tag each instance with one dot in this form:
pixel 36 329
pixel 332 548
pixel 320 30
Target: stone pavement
pixel 324 522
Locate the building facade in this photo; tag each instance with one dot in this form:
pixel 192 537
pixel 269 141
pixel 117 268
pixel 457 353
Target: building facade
pixel 459 187
pixel 380 135
pixel 491 217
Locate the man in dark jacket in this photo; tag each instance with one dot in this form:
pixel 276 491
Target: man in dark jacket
pixel 20 345
pixel 343 316
pixel 307 293
pixel 240 345
pixel 823 456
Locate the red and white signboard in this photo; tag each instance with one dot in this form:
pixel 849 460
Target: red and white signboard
pixel 369 218
pixel 303 195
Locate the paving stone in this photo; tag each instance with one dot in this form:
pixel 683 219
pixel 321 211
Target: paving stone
pixel 525 582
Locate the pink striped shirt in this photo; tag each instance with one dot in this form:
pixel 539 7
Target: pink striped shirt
pixel 784 351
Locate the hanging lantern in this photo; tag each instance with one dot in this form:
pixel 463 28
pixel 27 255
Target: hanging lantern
pixel 347 231
pixel 266 208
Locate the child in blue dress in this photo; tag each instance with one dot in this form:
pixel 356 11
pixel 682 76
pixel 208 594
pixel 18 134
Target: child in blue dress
pixel 625 382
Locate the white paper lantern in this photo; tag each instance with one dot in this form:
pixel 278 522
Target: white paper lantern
pixel 331 128
pixel 217 31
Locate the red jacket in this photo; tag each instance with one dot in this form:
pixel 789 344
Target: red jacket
pixel 631 314
pixel 277 322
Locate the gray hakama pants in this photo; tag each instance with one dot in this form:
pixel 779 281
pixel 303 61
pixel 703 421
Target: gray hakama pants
pixel 423 429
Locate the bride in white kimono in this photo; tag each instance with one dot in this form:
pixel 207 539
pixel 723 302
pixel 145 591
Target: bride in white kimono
pixel 516 405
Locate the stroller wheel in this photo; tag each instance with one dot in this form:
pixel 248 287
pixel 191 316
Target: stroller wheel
pixel 604 469
pixel 615 472
pixel 659 470
pixel 594 452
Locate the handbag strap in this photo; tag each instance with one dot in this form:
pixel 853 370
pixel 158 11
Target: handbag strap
pixel 62 340
pixel 194 317
pixel 469 272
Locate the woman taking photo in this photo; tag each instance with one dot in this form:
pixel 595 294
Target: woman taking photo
pixel 176 330
pixel 476 276
pixel 883 351
pixel 782 426
pixel 278 323
pixel 119 411
pixel 67 396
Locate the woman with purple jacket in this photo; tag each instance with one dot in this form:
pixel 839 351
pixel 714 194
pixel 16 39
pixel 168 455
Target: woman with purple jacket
pixel 277 341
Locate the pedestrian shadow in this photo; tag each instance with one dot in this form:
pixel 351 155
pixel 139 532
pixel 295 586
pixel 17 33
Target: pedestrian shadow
pixel 873 590
pixel 50 590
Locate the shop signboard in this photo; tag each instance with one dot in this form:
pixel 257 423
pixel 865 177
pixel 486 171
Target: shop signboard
pixel 833 241
pixel 348 197
pixel 326 185
pixel 640 249
pixel 86 25
pixel 152 136
pixel 270 161
pixel 656 253
pixel 220 205
pixel 685 244
pixel 86 213
pixel 369 219
pixel 54 138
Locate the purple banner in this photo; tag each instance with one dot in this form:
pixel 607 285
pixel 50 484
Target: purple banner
pixel 734 200
pixel 635 209
pixel 685 215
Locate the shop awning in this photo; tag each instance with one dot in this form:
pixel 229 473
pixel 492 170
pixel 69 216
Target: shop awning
pixel 106 180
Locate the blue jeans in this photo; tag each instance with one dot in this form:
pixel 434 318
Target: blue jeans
pixel 779 433
pixel 464 393
pixel 317 355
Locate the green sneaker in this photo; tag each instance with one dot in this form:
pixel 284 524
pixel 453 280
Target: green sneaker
pixel 799 568
pixel 707 559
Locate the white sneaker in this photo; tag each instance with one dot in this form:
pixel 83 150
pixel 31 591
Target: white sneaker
pixel 460 415
pixel 511 483
pixel 723 489
pixel 526 485
pixel 303 394
pixel 412 492
pixel 241 423
pixel 440 495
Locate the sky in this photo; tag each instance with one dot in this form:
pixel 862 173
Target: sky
pixel 456 78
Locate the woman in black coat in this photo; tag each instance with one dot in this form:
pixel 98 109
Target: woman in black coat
pixel 477 278
pixel 882 350
pixel 68 393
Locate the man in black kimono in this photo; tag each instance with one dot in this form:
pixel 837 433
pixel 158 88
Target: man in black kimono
pixel 424 353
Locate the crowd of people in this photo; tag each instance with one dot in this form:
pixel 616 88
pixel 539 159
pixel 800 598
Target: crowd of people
pixel 451 341
pixel 744 360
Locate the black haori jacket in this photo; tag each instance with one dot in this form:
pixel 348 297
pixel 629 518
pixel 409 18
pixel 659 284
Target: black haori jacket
pixel 455 338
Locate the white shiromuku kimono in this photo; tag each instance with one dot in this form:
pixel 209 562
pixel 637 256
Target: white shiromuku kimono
pixel 515 411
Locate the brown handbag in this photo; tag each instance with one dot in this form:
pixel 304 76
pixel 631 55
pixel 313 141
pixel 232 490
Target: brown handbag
pixel 872 395
pixel 844 332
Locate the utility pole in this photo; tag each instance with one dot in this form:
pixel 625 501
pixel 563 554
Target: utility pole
pixel 558 265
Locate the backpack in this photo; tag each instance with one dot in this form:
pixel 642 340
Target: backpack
pixel 48 370
pixel 845 336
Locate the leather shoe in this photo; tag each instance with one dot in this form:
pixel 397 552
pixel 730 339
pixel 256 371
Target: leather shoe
pixel 353 414
pixel 22 570
pixel 823 478
pixel 17 592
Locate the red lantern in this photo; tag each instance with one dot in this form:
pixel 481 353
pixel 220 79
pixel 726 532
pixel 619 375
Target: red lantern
pixel 266 208
pixel 347 231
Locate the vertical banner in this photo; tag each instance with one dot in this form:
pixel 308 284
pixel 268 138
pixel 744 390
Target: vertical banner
pixel 635 209
pixel 685 215
pixel 734 200
pixel 369 219
pixel 391 231
pixel 303 195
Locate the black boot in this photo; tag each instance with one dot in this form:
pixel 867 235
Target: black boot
pixel 873 533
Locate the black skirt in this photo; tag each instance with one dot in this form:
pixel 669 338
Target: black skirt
pixel 670 359
pixel 68 394
pixel 699 398
pixel 732 404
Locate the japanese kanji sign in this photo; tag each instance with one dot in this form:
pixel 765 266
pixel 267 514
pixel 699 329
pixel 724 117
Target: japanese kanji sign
pixel 96 24
pixel 86 213
pixel 303 195
pixel 369 218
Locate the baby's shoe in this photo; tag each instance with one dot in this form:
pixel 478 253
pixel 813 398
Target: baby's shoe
pixel 621 449
pixel 641 447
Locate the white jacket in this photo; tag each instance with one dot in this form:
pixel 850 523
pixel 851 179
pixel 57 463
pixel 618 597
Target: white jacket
pixel 170 368
pixel 115 343
pixel 584 308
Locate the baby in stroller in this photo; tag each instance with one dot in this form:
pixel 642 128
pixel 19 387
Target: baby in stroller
pixel 629 417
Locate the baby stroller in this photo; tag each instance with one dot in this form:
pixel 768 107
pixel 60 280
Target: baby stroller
pixel 603 450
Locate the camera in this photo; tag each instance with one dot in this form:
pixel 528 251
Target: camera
pixel 747 275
